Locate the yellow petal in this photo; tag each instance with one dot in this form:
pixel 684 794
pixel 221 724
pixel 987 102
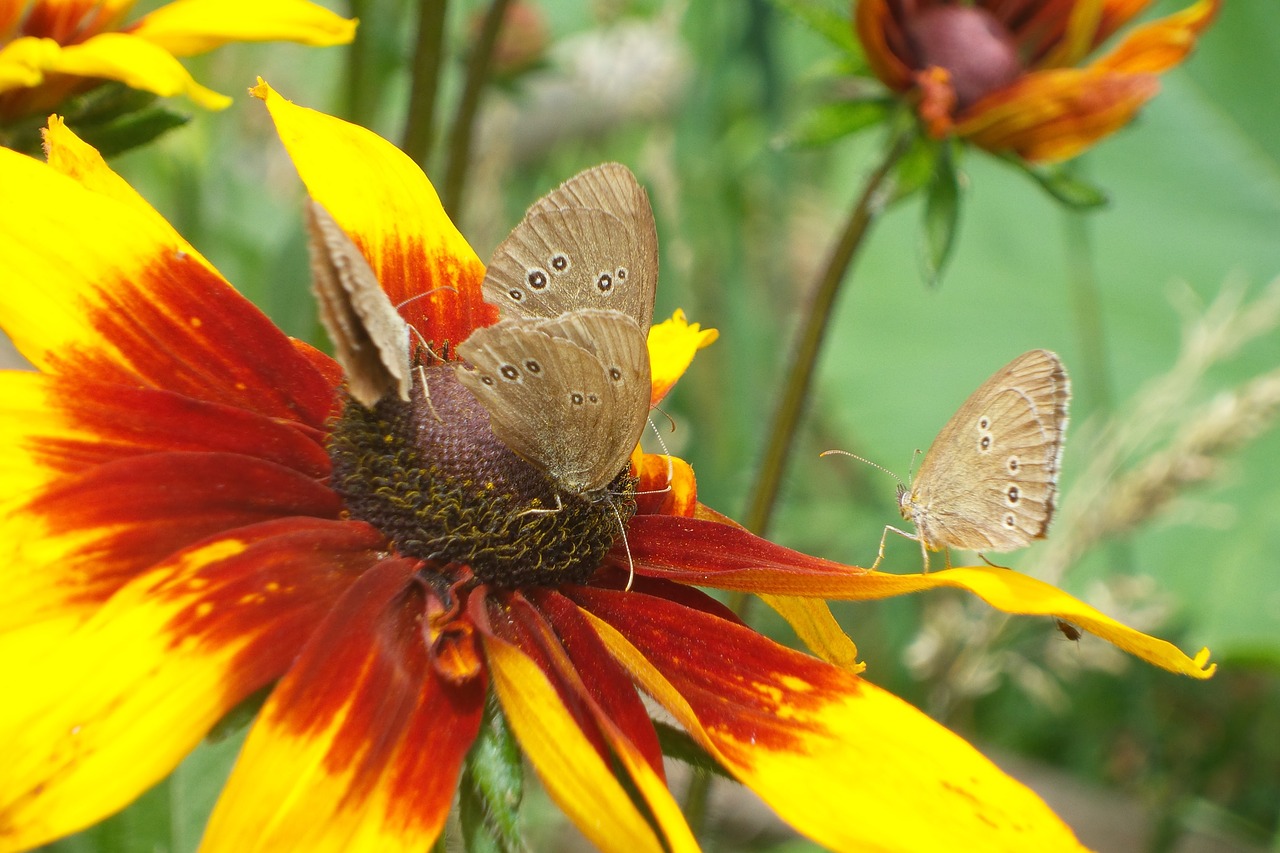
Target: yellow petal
pixel 138 64
pixel 71 156
pixel 813 623
pixel 672 344
pixel 361 743
pixel 100 288
pixel 575 777
pixel 96 714
pixel 849 765
pixel 187 27
pixel 23 62
pixel 387 206
pixel 1014 592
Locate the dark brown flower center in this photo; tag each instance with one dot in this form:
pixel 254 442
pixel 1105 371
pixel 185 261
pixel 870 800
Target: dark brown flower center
pixel 431 475
pixel 977 51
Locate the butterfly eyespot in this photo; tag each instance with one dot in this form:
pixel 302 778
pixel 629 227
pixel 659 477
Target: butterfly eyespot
pixel 592 398
pixel 575 398
pixel 984 423
pixel 537 279
pixel 984 443
pixel 1013 464
pixel 487 380
pixel 559 262
pixel 509 371
pixel 532 366
pixel 1014 494
pixel 1010 522
pixel 615 374
pixel 621 274
pixel 516 294
pixel 604 283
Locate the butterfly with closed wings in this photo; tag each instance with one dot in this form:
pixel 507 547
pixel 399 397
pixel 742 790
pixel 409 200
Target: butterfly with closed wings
pixel 564 374
pixel 989 481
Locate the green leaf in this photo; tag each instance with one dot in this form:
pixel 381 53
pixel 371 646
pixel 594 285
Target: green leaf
pixel 915 170
pixel 677 744
pixel 491 788
pixel 831 122
pixel 941 216
pixel 130 131
pixel 825 20
pixel 1063 186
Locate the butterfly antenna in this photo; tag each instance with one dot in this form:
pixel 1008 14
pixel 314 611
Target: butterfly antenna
pixel 622 528
pixel 911 470
pixel 671 470
pixel 425 294
pixel 868 461
pixel 670 420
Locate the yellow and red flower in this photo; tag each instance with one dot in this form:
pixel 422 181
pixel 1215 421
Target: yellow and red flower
pixel 1003 74
pixel 171 542
pixel 52 49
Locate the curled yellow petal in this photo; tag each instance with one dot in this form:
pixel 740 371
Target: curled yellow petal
pixel 138 64
pixel 672 344
pixel 1014 592
pixel 188 27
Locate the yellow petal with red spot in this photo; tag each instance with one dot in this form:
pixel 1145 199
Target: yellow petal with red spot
pixel 96 715
pixel 71 156
pixel 71 546
pixel 672 344
pixel 187 27
pixel 847 764
pixel 136 63
pixel 575 777
pixel 99 289
pixel 360 745
pixel 388 207
pixel 707 552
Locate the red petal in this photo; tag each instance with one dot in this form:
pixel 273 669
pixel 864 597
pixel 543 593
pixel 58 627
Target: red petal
pixel 361 744
pixel 78 541
pixel 608 685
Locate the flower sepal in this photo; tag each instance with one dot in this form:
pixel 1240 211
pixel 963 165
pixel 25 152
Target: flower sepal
pixel 111 118
pixel 1062 183
pixel 491 787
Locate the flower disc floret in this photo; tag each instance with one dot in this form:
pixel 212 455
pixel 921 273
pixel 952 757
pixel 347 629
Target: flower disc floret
pixel 430 474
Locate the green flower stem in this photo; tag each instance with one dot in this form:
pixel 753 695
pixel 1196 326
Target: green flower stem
pixel 478 64
pixel 419 126
pixel 1086 306
pixel 356 108
pixel 799 378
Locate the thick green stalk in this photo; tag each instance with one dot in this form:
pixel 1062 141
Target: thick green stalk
pixel 428 53
pixel 799 376
pixel 478 64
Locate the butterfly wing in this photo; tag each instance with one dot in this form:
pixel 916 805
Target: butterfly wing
pixel 565 394
pixel 590 243
pixel 989 480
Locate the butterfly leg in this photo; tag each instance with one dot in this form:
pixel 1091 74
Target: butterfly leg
pixel 905 535
pixel 537 510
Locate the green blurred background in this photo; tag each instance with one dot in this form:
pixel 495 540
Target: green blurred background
pixel 699 99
